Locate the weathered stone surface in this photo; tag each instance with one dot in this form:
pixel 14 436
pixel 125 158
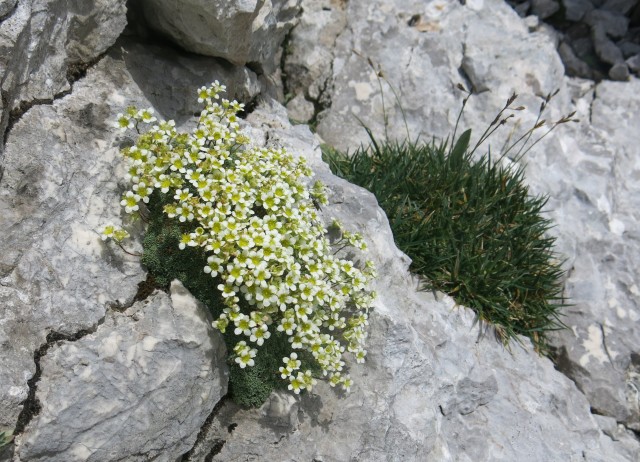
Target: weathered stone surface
pixel 574 10
pixel 6 6
pixel 241 31
pixel 573 65
pixel 595 201
pixel 544 8
pixel 619 6
pixel 619 71
pixel 614 24
pixel 169 80
pixel 309 51
pixel 62 182
pixel 606 50
pixel 137 389
pixel 433 386
pixel 300 109
pixel 57 189
pixel 44 43
pixel 634 64
pixel 453 49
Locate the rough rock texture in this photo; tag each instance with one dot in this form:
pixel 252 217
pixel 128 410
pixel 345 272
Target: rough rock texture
pixel 6 6
pixel 241 31
pixel 596 32
pixel 595 201
pixel 434 387
pixel 146 379
pixel 589 169
pixel 448 43
pixel 44 44
pixel 62 182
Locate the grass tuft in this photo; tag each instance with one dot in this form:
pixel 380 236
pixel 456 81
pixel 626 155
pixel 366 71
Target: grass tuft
pixel 470 226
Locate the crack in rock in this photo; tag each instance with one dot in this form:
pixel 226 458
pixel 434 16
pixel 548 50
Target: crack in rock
pixel 218 444
pixel 75 72
pixel 31 406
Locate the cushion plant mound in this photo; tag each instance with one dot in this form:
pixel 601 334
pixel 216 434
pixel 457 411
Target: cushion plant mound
pixel 470 226
pixel 238 226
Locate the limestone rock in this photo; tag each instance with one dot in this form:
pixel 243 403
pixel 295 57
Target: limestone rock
pixel 6 6
pixel 139 388
pixel 634 64
pixel 453 49
pixel 300 109
pixel 573 65
pixel 44 43
pixel 241 31
pixel 309 51
pixel 619 71
pixel 598 187
pixel 606 50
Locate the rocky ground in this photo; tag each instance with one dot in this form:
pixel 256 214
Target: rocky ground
pixel 596 39
pixel 94 368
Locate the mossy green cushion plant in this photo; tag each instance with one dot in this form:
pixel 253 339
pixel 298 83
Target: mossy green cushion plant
pixel 470 227
pixel 238 226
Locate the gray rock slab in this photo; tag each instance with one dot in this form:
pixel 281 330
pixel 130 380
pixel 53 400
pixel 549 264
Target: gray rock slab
pixel 599 188
pixel 634 63
pixel 619 6
pixel 58 188
pixel 308 56
pixel 629 49
pixel 241 31
pixel 300 109
pixel 139 388
pixel 573 65
pixel 619 71
pixel 456 44
pixel 434 387
pixel 43 43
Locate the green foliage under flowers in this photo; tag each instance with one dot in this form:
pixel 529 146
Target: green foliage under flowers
pixel 470 227
pixel 239 227
pixel 165 261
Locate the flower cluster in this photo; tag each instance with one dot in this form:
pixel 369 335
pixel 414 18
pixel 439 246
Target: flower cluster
pixel 266 248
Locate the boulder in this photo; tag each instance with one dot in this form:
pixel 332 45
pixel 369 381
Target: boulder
pixel 544 8
pixel 240 31
pixel 147 378
pixel 46 44
pixel 619 71
pixel 574 10
pixel 614 24
pixel 606 50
